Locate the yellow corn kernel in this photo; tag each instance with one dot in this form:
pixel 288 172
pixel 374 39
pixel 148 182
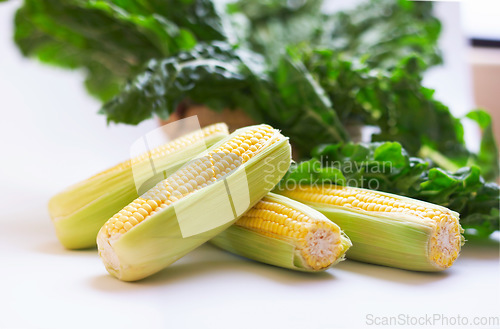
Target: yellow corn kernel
pixel 176 216
pixel 283 232
pixel 206 170
pixel 79 212
pixel 363 213
pixel 168 148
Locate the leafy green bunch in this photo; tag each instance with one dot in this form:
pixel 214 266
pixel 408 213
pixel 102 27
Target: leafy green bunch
pixel 387 166
pixel 315 75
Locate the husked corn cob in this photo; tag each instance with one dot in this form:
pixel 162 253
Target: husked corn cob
pixel 388 229
pixel 79 212
pixel 194 204
pixel 285 233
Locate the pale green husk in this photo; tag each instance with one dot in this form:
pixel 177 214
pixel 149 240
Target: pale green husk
pixel 79 212
pixel 159 241
pixel 270 250
pixel 388 239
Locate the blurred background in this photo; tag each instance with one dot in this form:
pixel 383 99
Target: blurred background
pixel 482 29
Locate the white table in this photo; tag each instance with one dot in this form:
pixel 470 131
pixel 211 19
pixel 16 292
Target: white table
pixel 51 137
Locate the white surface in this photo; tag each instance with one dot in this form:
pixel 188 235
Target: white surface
pixel 51 137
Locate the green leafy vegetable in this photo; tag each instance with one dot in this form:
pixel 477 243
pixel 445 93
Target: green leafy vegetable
pixel 305 115
pixel 377 97
pixel 487 157
pixel 112 40
pixel 312 74
pixel 274 25
pixel 387 167
pixel 383 32
pixel 207 72
pixel 221 76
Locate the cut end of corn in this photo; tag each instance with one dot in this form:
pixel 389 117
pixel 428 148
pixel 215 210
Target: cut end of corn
pixel 286 233
pixel 198 174
pixel 317 239
pixel 321 248
pixel 445 239
pixel 173 218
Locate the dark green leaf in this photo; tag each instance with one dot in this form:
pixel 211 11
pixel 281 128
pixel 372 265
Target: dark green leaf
pixel 112 40
pixel 206 73
pixel 311 172
pixel 487 158
pixel 392 100
pixel 275 24
pixel 384 31
pixel 307 115
pixel 220 76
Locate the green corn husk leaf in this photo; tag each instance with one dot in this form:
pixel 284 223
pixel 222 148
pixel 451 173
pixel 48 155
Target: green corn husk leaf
pixel 165 236
pixel 388 238
pixel 79 212
pixel 278 250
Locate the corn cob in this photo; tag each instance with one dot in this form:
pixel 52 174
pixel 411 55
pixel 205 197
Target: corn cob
pixel 194 204
pixel 285 233
pixel 387 229
pixel 79 212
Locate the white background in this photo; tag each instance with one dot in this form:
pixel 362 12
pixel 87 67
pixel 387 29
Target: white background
pixel 51 137
pixel 480 19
